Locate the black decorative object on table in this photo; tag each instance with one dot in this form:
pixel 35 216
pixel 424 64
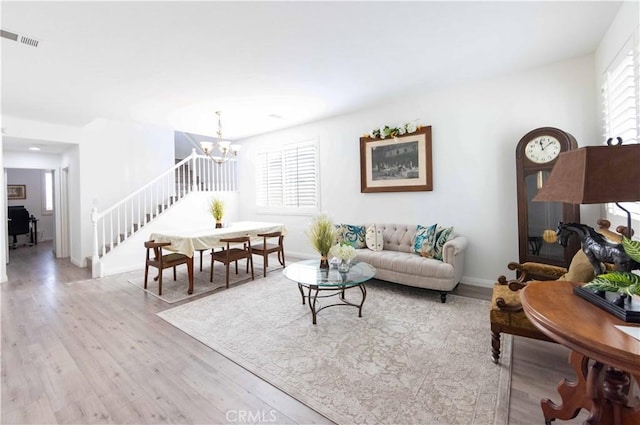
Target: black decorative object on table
pixel 605 300
pixel 597 249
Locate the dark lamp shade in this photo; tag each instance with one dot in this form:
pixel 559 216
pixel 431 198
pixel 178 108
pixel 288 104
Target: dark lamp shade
pixel 594 175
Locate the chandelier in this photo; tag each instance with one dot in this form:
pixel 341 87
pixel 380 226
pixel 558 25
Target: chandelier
pixel 227 150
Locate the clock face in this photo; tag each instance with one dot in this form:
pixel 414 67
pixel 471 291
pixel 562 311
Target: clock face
pixel 542 149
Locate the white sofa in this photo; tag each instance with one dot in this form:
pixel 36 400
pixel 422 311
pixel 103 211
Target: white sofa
pixel 398 262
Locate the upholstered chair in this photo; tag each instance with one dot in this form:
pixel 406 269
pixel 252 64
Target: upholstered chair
pixel 507 315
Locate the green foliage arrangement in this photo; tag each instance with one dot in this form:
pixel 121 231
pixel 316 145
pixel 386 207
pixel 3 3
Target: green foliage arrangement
pixel 216 207
pixel 622 282
pixel 632 248
pixel 322 234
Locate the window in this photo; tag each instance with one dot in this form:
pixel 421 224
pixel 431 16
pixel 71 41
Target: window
pixel 287 179
pixel 621 105
pixel 47 193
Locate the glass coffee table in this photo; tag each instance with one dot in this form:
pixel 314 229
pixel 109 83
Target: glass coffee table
pixel 308 274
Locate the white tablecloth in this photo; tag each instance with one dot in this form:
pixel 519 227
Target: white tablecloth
pixel 187 241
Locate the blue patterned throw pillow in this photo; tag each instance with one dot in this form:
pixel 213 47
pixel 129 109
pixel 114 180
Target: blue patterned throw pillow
pixel 425 236
pixel 443 234
pixel 354 235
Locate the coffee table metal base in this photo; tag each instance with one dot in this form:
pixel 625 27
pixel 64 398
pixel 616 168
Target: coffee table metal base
pixel 313 294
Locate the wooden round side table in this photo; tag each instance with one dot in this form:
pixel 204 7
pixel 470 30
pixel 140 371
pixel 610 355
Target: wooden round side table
pixel 604 358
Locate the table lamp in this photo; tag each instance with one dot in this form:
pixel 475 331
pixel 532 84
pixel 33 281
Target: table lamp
pixel 596 175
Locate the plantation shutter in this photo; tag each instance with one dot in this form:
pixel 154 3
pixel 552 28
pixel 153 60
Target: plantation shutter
pixel 621 103
pixel 286 179
pixel 299 175
pixel 269 179
pixel 620 97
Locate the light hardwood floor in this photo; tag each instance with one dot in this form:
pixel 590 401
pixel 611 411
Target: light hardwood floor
pixel 79 351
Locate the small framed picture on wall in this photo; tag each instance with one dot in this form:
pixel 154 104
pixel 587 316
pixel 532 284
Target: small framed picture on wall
pixel 16 191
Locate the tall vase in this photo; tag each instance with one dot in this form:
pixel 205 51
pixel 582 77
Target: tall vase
pixel 324 262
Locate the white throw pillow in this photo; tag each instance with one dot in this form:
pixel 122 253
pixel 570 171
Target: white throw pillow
pixel 373 238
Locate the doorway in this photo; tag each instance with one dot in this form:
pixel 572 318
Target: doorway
pixel 39 196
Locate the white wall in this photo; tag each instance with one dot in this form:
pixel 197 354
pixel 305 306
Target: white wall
pixel 115 158
pixel 3 218
pixel 34 130
pixel 34 182
pixel 31 160
pixel 71 159
pixel 475 131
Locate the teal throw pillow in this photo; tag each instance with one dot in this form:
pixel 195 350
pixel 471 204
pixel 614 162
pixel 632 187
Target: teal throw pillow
pixel 443 234
pixel 354 236
pixel 425 236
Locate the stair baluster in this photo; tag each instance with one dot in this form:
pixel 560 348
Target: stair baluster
pixel 118 223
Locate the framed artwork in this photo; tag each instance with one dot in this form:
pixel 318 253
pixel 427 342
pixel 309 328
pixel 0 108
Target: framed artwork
pixel 396 164
pixel 16 191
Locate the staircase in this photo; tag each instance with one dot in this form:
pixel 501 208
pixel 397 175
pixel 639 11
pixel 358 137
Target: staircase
pixel 122 221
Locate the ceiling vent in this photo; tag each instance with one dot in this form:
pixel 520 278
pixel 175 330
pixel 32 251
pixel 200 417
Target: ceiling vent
pixel 29 41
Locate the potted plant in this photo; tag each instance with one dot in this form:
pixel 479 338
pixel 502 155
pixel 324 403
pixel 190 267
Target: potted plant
pixel 217 211
pixel 322 235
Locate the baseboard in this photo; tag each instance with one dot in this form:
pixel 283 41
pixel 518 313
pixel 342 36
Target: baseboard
pixel 77 263
pixel 473 281
pixel 300 256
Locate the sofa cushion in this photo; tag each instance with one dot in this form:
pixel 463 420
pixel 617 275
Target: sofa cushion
pixel 352 235
pixel 424 239
pixel 373 238
pixel 406 263
pixel 397 237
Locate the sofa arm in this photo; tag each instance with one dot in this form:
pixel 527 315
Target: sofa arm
pixel 454 247
pixel 453 253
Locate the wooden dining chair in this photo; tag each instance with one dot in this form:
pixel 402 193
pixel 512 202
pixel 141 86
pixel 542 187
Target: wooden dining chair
pixel 265 248
pixel 164 261
pixel 230 255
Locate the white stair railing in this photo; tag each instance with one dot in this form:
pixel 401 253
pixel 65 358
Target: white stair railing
pixel 119 222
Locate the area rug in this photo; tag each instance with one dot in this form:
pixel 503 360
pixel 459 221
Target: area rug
pixel 176 291
pixel 408 360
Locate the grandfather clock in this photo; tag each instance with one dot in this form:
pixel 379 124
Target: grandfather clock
pixel 536 155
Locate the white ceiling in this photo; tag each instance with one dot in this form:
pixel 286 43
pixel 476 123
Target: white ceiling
pixel 174 63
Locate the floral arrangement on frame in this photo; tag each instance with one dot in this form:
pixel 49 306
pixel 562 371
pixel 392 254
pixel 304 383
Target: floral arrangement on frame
pixel 388 131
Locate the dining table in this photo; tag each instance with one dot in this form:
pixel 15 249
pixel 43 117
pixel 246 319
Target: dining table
pixel 187 241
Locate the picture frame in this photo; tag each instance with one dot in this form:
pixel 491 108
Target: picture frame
pixel 397 164
pixel 16 191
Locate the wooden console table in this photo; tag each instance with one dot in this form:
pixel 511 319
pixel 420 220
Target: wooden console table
pixel 604 358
